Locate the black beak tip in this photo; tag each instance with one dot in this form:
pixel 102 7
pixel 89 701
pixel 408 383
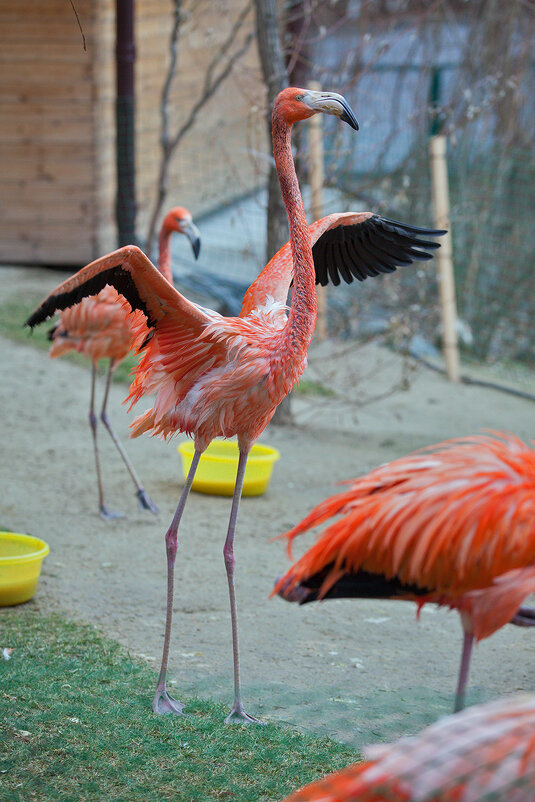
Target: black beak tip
pixel 349 118
pixel 196 247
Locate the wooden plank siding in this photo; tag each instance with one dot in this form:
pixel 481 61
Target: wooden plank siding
pixel 57 136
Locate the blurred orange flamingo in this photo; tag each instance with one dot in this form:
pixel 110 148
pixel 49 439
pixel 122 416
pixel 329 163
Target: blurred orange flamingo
pixel 452 524
pixel 216 376
pixel 103 327
pixel 485 752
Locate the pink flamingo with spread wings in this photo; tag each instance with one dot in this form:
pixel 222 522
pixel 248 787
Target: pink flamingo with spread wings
pixel 485 752
pixel 452 524
pixel 103 326
pixel 215 376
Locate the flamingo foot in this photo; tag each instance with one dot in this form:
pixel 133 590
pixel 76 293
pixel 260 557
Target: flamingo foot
pixel 163 703
pixel 109 515
pixel 238 716
pixel 145 503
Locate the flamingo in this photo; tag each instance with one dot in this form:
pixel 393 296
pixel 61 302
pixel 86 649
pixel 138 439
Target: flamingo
pixel 485 752
pixel 452 524
pixel 222 376
pixel 102 327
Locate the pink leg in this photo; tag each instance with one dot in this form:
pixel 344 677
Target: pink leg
pixel 163 702
pixel 238 713
pixel 468 642
pixel 104 512
pixel 144 501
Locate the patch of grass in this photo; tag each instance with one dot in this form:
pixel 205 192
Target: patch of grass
pixel 307 387
pixel 15 311
pixel 76 724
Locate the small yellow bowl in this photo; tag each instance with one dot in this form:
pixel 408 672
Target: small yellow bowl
pixel 216 472
pixel 20 565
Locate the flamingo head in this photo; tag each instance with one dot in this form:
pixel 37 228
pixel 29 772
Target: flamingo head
pixel 179 219
pixel 293 104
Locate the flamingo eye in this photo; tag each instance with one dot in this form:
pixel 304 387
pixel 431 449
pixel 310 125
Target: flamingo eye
pixel 299 97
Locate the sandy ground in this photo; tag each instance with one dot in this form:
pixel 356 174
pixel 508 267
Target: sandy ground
pixel 359 671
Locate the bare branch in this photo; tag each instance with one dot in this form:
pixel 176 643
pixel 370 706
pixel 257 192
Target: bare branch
pixel 212 82
pixel 79 24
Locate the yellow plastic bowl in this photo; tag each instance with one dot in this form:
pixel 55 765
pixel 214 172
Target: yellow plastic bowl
pixel 216 472
pixel 20 565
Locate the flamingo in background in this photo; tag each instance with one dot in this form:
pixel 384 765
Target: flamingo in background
pixel 103 327
pixel 452 524
pixel 216 376
pixel 485 752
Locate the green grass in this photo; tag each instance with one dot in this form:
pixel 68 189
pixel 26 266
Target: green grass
pixel 76 724
pixel 307 387
pixel 15 311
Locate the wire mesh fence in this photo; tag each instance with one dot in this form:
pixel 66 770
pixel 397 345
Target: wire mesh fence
pixel 399 81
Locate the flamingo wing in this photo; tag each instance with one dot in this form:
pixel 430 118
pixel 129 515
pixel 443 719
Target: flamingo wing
pixel 448 520
pixel 345 246
pixel 135 278
pixel 363 245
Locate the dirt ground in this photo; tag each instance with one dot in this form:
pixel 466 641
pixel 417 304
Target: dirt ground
pixel 357 670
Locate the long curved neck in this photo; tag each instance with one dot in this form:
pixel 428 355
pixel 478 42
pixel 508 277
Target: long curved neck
pixel 303 307
pixel 164 253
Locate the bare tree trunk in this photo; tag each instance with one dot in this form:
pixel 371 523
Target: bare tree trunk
pixel 276 79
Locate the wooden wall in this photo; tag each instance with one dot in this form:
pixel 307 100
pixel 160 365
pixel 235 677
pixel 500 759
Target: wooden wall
pixel 57 136
pixel 48 100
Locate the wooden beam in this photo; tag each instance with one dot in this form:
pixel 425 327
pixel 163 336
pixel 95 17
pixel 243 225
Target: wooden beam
pixel 448 306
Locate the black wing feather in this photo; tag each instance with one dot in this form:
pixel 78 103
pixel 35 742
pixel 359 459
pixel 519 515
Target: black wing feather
pixel 115 276
pixel 359 585
pixel 353 262
pixel 332 262
pixel 320 263
pixel 343 264
pixel 374 246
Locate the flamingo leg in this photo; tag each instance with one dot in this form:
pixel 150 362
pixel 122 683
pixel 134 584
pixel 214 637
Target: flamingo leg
pixel 145 502
pixel 237 713
pixel 163 702
pixel 468 642
pixel 104 512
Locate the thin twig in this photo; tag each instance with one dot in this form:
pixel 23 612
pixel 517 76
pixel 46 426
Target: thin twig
pixel 212 82
pixel 79 24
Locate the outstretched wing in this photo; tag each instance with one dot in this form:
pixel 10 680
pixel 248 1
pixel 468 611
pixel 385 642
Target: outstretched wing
pixel 135 278
pixel 363 245
pixel 345 246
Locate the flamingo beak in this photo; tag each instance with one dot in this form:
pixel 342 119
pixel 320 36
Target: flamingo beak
pixel 191 231
pixel 331 103
pixel 296 594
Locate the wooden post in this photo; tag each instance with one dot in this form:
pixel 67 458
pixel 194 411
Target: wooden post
pixel 441 202
pixel 316 177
